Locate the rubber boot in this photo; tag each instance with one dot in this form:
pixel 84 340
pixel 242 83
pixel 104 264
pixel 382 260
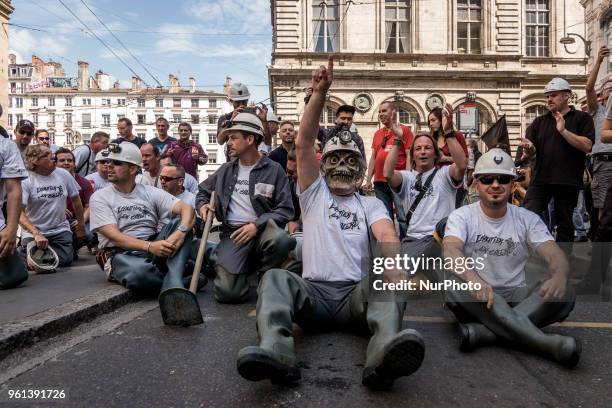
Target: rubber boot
pixel 273 247
pixel 474 335
pixel 391 353
pixel 176 265
pixel 281 295
pixel 13 272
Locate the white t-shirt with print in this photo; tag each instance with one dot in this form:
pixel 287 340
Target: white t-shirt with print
pixel 504 243
pixel 97 181
pixel 11 166
pixel 240 209
pixel 335 232
pixel 436 204
pixel 136 214
pixel 44 200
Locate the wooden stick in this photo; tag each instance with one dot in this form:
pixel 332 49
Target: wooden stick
pixel 193 287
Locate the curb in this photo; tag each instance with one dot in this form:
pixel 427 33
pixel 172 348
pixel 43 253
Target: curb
pixel 60 319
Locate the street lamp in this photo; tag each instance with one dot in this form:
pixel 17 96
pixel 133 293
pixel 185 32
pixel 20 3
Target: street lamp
pixel 567 39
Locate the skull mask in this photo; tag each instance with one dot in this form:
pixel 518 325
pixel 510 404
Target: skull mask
pixel 343 171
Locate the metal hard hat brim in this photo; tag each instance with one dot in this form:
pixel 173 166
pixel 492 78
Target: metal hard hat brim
pixel 495 172
pixel 243 128
pixel 122 158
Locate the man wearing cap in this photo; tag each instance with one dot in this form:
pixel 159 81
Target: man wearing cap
pixel 124 127
pixel 343 121
pixel 24 131
pixel 85 156
pixel 601 156
pixel 253 203
pixel 99 179
pixel 287 135
pixel 126 216
pixel 12 171
pixel 331 294
pixel 490 242
pixel 560 139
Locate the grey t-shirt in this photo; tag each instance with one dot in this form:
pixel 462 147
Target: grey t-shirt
pixel 599 117
pixel 191 184
pixel 136 214
pixel 11 166
pixel 44 200
pixel 97 181
pixel 240 209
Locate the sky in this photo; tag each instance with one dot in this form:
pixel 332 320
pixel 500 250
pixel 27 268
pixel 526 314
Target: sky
pixel 204 39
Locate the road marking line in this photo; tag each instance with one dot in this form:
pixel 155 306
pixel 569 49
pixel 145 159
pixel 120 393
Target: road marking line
pixel 439 319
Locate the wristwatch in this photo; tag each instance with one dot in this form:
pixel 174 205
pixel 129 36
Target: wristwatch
pixel 183 228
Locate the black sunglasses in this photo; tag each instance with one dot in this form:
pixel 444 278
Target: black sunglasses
pixel 44 138
pixel 501 179
pixel 26 133
pixel 102 161
pixel 117 162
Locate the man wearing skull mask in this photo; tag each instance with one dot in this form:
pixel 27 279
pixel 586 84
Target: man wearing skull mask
pixel 338 227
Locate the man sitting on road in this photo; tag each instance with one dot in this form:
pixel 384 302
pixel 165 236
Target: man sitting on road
pixel 12 171
pixel 99 179
pixel 126 216
pixel 190 183
pixel 331 293
pixel 427 192
pixel 498 237
pixel 253 203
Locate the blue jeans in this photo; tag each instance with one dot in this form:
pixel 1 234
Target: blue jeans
pixel 383 193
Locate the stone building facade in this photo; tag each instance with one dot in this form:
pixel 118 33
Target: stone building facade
pixel 6 8
pixel 598 22
pixel 72 109
pixel 486 58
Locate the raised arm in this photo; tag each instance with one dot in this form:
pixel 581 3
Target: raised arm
pixel 394 178
pixel 307 164
pixel 591 95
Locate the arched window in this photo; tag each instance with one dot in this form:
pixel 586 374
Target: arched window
pixel 328 116
pixel 533 112
pixel 408 115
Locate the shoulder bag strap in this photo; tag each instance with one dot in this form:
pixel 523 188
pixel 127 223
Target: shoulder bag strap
pixel 420 197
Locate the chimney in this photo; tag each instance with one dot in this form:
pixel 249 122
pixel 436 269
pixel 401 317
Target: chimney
pixel 103 81
pixel 227 85
pixel 12 59
pixel 135 83
pixel 192 85
pixel 174 84
pixel 82 76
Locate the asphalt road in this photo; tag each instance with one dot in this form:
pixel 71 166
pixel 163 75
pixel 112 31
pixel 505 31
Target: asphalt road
pixel 129 358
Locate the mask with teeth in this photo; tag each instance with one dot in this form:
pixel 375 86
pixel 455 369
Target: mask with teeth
pixel 343 171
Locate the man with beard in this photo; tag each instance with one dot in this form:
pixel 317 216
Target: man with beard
pixel 427 192
pixel 24 131
pixel 560 140
pixel 253 203
pixel 163 139
pixel 287 134
pixel 504 304
pixel 126 216
pixel 331 293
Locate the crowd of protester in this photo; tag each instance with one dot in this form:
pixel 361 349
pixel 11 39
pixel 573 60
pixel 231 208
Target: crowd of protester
pixel 312 206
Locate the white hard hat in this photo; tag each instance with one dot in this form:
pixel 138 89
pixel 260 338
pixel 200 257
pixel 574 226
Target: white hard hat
pixel 556 85
pixel 239 92
pixel 42 260
pixel 246 122
pixel 272 117
pixel 126 152
pixel 100 156
pixel 340 143
pixel 495 161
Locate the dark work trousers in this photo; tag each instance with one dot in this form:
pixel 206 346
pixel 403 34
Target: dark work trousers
pixel 565 200
pixel 383 193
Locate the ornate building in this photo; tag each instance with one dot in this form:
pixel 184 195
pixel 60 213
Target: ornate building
pixel 598 21
pixel 486 58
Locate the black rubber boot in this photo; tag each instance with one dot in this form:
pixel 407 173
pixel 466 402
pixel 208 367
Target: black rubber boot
pixel 256 364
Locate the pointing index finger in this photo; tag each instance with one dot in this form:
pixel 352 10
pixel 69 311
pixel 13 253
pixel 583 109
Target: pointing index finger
pixel 330 67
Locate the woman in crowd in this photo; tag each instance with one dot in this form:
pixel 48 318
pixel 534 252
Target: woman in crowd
pixel 44 200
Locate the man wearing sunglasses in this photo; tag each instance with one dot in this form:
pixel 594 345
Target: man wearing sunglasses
pixel 505 303
pixel 126 217
pixel 24 132
pixel 172 179
pixel 41 136
pixel 99 179
pixel 253 203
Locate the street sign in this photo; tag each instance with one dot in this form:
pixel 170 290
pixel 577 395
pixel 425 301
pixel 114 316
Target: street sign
pixel 468 118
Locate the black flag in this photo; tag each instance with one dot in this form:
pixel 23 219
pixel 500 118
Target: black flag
pixel 497 135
